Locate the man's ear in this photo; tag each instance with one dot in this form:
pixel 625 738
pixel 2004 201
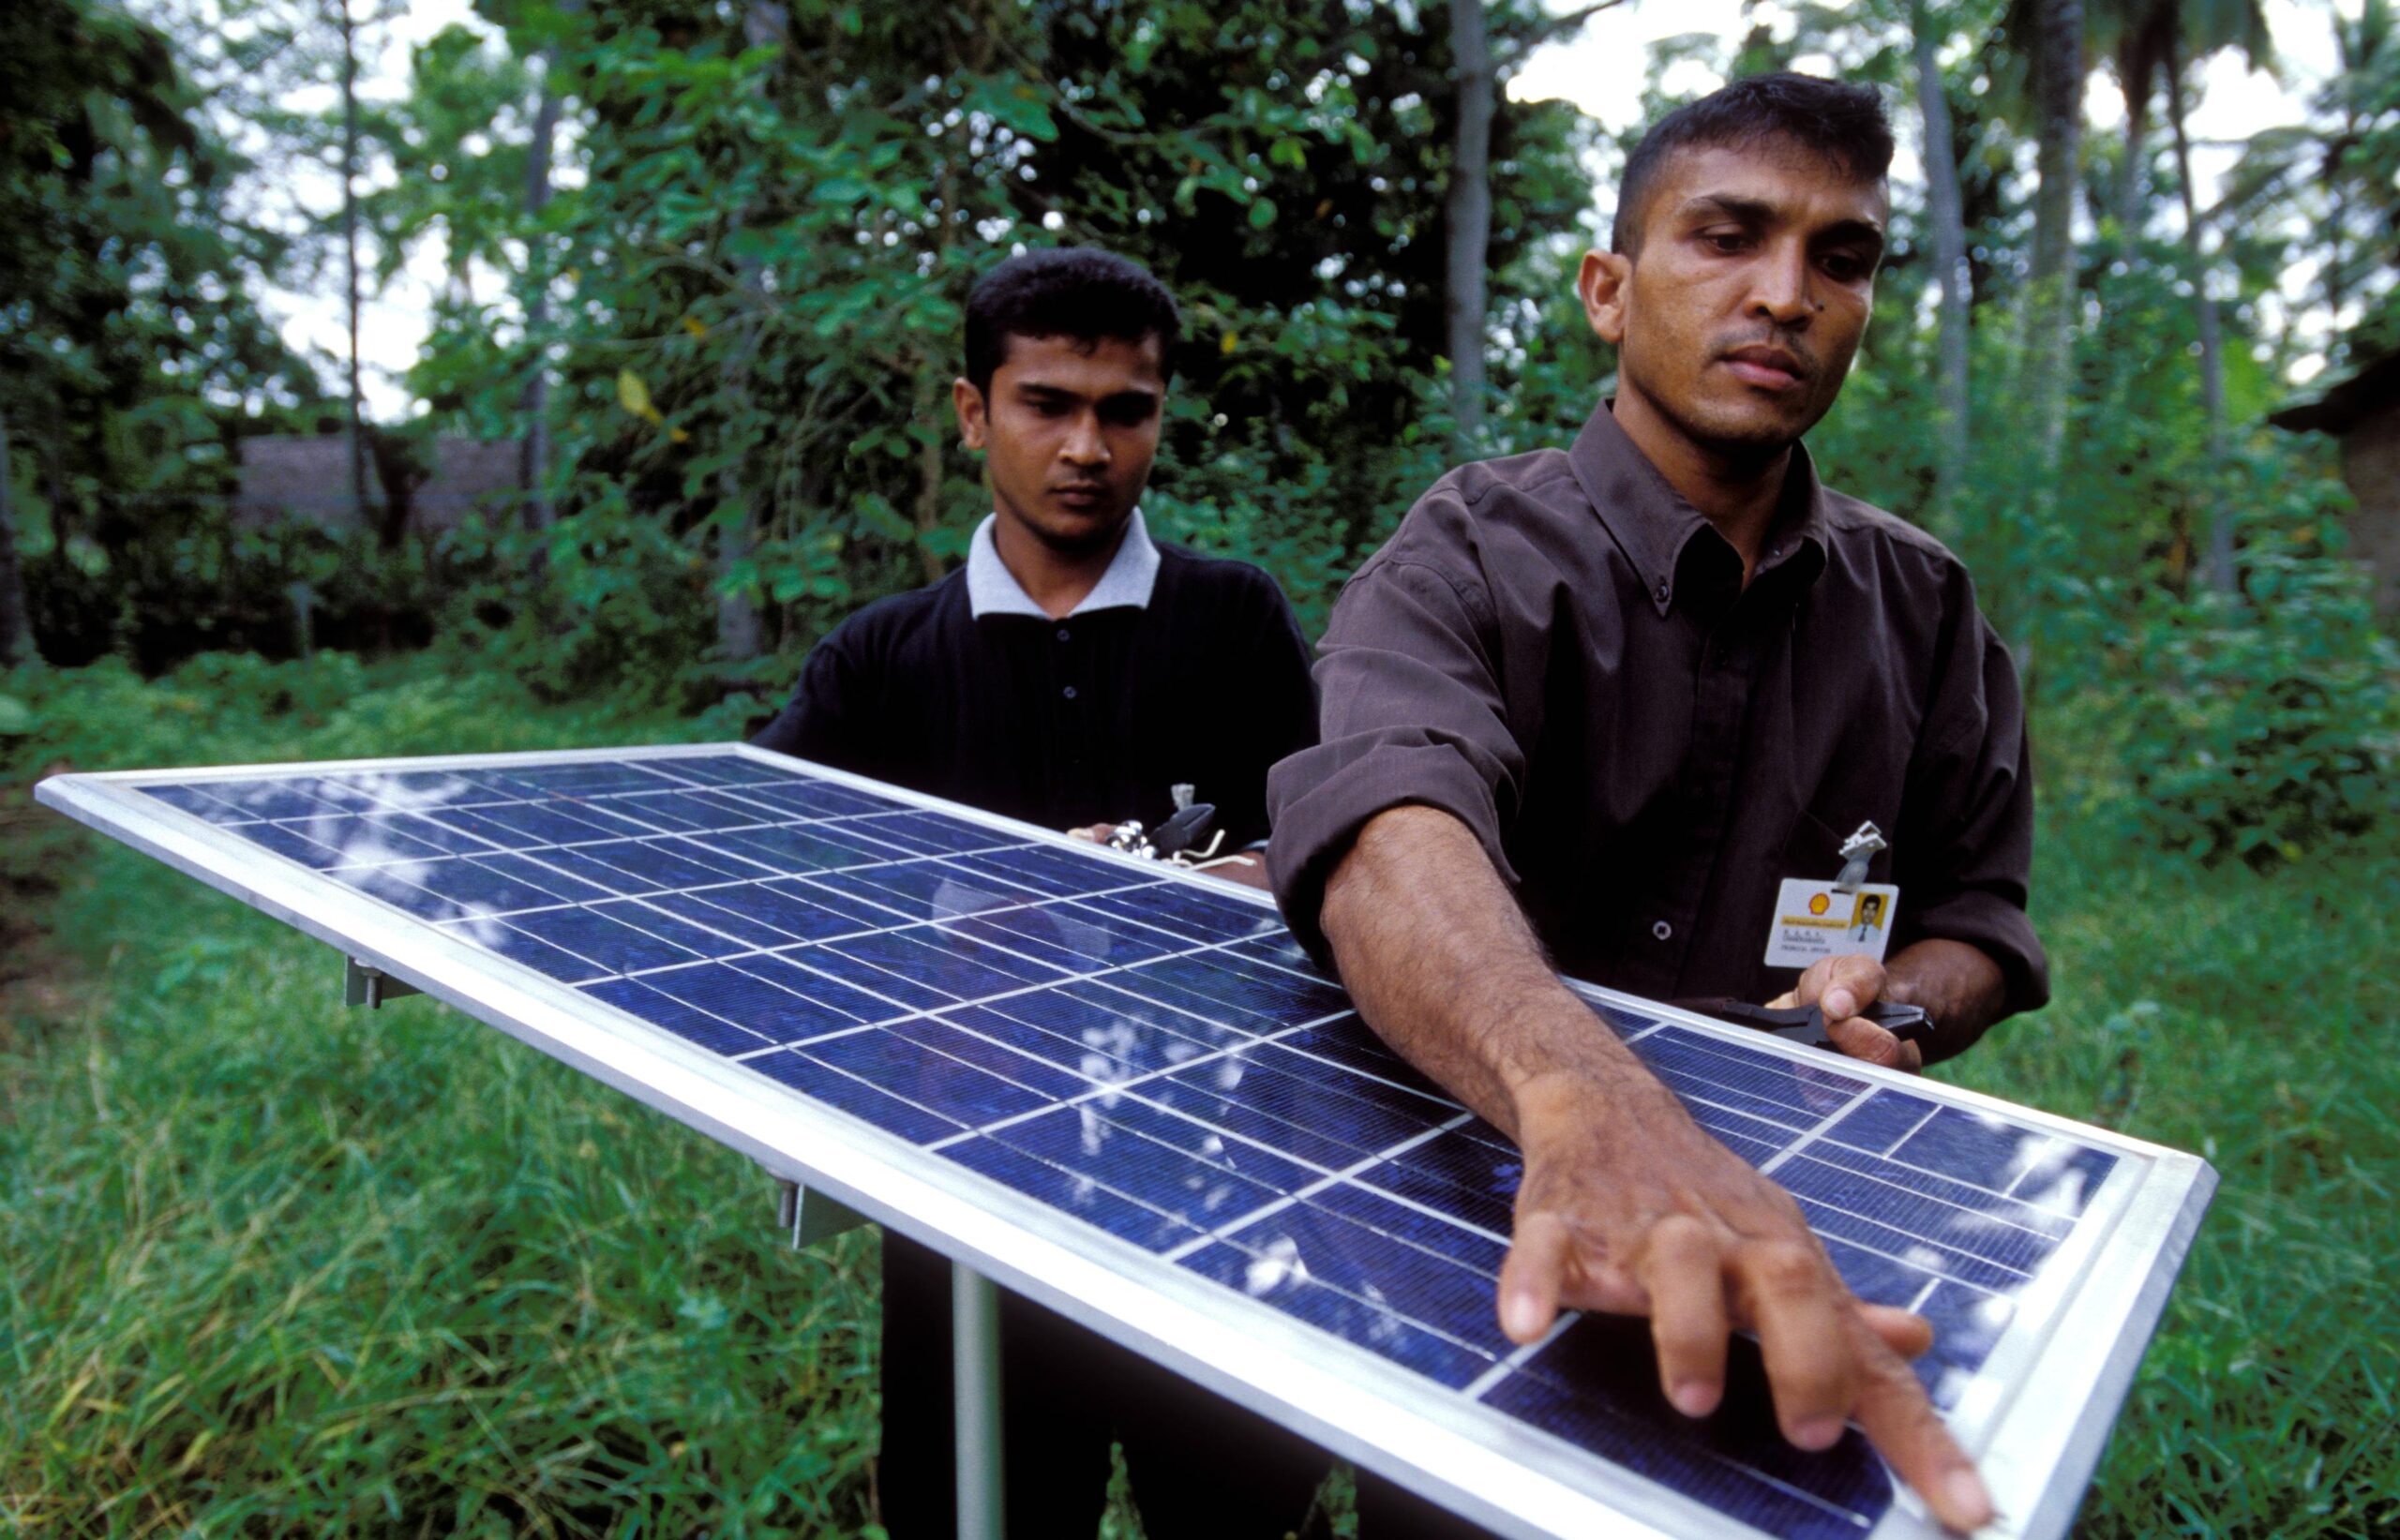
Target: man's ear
pixel 969 403
pixel 1603 283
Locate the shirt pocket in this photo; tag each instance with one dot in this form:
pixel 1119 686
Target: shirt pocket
pixel 1812 850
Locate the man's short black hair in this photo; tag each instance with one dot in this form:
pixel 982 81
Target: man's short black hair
pixel 1844 124
pixel 1077 292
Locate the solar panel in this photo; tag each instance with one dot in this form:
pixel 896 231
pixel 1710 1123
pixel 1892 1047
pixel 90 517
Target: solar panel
pixel 1125 1091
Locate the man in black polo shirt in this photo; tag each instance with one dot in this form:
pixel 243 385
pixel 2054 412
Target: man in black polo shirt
pixel 1073 672
pixel 1590 709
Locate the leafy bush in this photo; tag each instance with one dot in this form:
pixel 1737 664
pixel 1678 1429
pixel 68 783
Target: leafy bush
pixel 604 603
pixel 2268 725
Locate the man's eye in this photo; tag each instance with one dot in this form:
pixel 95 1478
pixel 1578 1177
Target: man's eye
pixel 1726 243
pixel 1846 267
pixel 1127 414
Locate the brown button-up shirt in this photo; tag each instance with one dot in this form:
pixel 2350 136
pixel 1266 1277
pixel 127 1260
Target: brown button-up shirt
pixel 1558 651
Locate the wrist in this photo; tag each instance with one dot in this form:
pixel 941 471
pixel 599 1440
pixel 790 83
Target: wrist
pixel 1574 1101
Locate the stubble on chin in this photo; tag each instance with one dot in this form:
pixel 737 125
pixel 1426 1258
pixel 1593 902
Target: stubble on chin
pixel 1741 440
pixel 1079 540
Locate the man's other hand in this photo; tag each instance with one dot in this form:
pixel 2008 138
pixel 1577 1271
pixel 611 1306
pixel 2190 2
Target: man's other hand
pixel 1842 987
pixel 1629 1207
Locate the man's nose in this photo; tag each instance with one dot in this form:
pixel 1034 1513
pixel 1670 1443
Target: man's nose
pixel 1084 444
pixel 1780 287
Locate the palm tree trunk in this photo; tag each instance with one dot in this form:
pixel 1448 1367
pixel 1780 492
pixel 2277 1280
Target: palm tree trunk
pixel 1944 209
pixel 534 449
pixel 350 244
pixel 2220 557
pixel 2130 202
pixel 740 632
pixel 16 628
pixel 2057 78
pixel 1466 210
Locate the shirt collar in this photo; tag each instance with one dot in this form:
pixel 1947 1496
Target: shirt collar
pixel 1652 524
pixel 992 589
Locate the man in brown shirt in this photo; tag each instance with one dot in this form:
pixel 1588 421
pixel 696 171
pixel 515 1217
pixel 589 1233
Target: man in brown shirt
pixel 1585 709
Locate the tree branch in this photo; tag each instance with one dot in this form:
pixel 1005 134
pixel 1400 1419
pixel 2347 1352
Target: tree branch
pixel 1549 30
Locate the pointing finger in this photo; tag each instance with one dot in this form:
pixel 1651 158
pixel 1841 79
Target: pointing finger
pixel 1896 1418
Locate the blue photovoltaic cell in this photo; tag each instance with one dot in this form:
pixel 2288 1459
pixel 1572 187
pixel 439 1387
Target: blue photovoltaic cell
pixel 1165 1063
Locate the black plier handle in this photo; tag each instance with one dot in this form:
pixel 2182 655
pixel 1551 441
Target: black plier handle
pixel 1806 1025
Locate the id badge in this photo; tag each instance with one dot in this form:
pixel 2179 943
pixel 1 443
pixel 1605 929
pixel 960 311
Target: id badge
pixel 1813 921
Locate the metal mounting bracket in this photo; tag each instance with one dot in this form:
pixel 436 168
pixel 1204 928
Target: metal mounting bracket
pixel 812 1217
pixel 365 984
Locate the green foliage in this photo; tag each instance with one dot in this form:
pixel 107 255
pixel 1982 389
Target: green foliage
pixel 761 266
pixel 602 603
pixel 2269 726
pixel 2248 1020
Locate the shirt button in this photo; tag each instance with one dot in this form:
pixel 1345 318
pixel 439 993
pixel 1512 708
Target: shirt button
pixel 1662 591
pixel 1071 692
pixel 1662 930
pixel 1062 633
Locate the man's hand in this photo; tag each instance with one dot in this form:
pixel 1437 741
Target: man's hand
pixel 1628 1207
pixel 1842 987
pixel 1625 1205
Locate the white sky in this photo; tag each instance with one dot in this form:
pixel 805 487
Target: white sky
pixel 1601 69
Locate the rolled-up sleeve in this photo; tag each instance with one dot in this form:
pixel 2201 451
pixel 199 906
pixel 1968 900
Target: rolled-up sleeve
pixel 1966 853
pixel 1412 712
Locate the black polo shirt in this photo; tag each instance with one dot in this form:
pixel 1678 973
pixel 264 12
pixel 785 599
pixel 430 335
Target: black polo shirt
pixel 1087 720
pixel 1558 650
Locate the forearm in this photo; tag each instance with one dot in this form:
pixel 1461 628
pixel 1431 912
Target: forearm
pixel 1956 984
pixel 1443 965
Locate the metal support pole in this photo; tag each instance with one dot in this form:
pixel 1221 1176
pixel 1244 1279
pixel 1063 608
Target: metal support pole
pixel 975 1383
pixel 365 984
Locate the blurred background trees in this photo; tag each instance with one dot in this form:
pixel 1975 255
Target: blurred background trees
pixel 684 404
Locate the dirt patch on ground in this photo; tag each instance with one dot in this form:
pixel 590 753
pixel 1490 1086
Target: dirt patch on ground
pixel 40 981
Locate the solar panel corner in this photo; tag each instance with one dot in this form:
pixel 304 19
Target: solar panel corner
pixel 2072 1335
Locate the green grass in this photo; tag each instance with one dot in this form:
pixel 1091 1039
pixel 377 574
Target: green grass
pixel 268 1266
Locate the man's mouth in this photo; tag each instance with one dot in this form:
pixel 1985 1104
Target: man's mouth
pixel 1081 496
pixel 1767 368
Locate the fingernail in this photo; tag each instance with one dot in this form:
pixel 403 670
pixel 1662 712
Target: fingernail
pixel 1970 1504
pixel 1694 1397
pixel 1840 1006
pixel 1817 1433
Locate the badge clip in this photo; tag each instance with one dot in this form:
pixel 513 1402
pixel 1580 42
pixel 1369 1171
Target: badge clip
pixel 1857 851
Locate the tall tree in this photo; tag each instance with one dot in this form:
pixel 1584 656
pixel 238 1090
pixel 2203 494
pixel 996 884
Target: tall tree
pixel 2143 40
pixel 1466 217
pixel 2219 568
pixel 131 349
pixel 534 450
pixel 2337 176
pixel 2057 64
pixel 741 632
pixel 16 628
pixel 357 427
pixel 1944 214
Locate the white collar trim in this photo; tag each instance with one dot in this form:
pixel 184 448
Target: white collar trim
pixel 992 589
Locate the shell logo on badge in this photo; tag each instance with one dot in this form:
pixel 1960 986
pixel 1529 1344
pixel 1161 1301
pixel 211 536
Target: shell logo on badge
pixel 1819 904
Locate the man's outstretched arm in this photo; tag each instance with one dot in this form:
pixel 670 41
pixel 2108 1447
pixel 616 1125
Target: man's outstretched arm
pixel 1627 1206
